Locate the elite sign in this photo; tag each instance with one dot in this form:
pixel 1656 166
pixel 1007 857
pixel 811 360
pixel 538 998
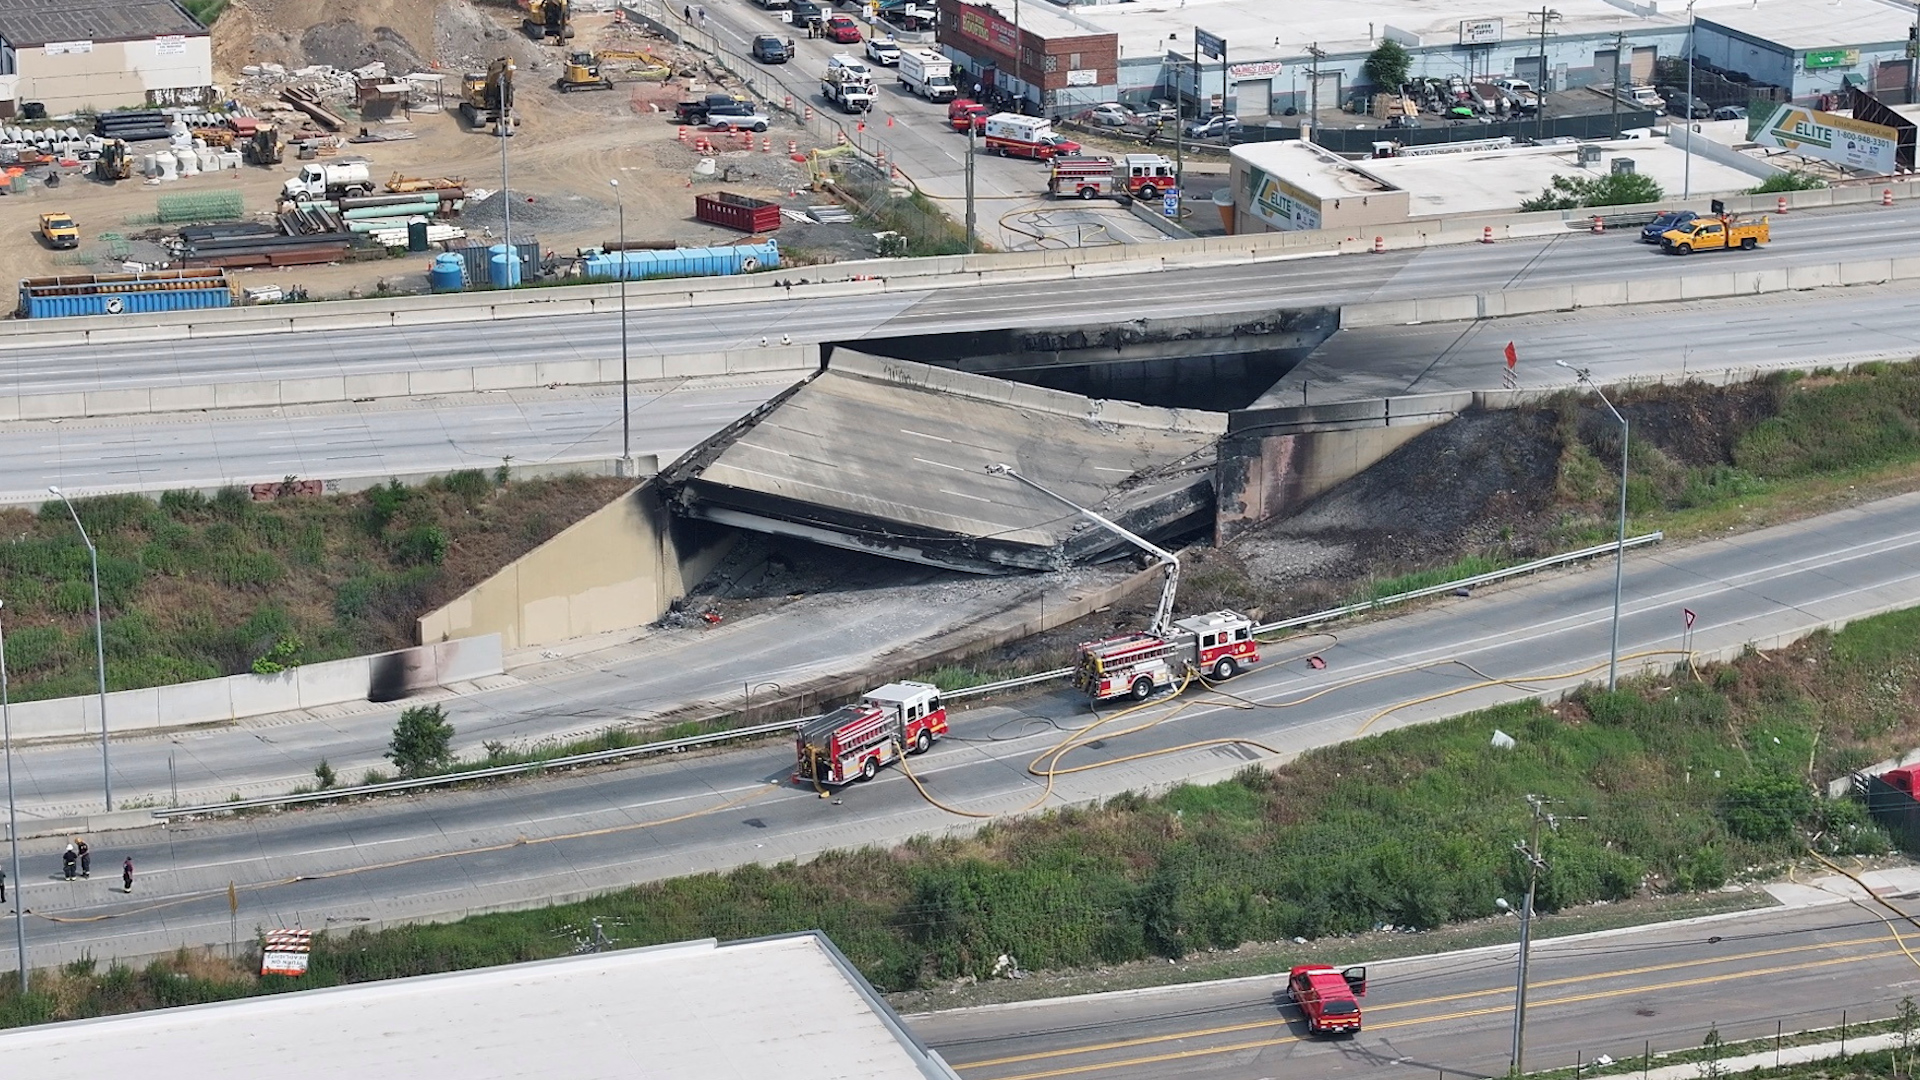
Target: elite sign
pixel 1826 136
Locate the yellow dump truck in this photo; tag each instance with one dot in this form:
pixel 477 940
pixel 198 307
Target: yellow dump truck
pixel 1712 233
pixel 59 231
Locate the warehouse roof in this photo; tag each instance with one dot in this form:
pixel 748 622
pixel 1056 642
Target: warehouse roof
pixel 1813 26
pixel 1310 168
pixel 790 1006
pixel 32 23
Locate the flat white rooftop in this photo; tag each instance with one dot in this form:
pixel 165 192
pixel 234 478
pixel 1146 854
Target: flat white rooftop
pixel 1266 29
pixel 1495 181
pixel 1811 24
pixel 1311 169
pixel 1045 19
pixel 784 1007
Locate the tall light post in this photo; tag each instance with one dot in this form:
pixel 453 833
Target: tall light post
pixel 1585 376
pixel 1686 175
pixel 99 646
pixel 13 824
pixel 626 409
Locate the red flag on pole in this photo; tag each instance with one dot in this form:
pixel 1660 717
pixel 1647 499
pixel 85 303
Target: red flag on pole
pixel 1512 356
pixel 1688 614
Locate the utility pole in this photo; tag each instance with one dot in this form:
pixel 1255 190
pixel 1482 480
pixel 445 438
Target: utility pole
pixel 973 135
pixel 1913 56
pixel 1179 128
pixel 1316 54
pixel 1619 46
pixel 1530 851
pixel 1686 177
pixel 1546 16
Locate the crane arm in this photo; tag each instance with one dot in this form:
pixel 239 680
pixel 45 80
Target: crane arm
pixel 1163 614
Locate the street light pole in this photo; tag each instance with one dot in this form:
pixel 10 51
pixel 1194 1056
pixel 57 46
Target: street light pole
pixel 1585 376
pixel 626 409
pixel 13 824
pixel 99 646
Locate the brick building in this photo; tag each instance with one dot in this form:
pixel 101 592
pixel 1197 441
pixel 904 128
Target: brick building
pixel 1054 62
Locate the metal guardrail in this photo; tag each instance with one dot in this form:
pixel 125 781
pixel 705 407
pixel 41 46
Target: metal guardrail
pixel 670 746
pixel 676 745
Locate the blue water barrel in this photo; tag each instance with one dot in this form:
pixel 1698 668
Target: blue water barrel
pixel 503 267
pixel 448 273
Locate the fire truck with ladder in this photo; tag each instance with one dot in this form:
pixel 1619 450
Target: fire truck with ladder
pixel 1144 176
pixel 1220 643
pixel 853 741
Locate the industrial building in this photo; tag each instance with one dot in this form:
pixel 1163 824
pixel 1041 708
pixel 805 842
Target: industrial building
pixel 67 56
pixel 1053 59
pixel 1812 50
pixel 789 1006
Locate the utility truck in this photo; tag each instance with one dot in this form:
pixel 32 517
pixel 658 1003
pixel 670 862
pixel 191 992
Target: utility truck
pixel 927 74
pixel 1719 233
pixel 329 181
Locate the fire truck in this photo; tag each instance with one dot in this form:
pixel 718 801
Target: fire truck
pixel 1328 997
pixel 853 741
pixel 1219 643
pixel 1144 176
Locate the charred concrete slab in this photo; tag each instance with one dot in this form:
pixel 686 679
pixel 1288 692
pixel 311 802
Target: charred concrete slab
pixel 1216 362
pixel 890 457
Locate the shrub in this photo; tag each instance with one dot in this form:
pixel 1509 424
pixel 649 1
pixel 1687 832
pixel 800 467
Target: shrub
pixel 422 741
pixel 384 503
pixel 232 503
pixel 421 545
pixel 1766 806
pixel 469 484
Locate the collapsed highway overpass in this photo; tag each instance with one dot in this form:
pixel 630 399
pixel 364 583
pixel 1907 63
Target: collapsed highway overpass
pixel 890 457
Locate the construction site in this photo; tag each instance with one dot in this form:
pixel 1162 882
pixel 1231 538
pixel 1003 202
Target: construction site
pixel 350 145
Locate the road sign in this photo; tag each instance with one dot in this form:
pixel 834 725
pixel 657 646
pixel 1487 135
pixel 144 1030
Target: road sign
pixel 1170 203
pixel 1210 44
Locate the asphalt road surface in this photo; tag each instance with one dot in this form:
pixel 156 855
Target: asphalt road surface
pixel 378 438
pixel 521 843
pixel 1623 994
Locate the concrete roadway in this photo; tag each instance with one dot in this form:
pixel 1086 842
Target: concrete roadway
pixel 522 843
pixel 379 438
pixel 1304 281
pixel 1616 993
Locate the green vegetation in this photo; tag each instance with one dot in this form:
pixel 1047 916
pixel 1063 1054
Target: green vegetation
pixel 193 587
pixel 422 741
pixel 922 228
pixel 1614 189
pixel 1791 180
pixel 1387 66
pixel 1672 784
pixel 205 10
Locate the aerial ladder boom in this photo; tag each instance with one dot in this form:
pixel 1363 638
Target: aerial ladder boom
pixel 1162 616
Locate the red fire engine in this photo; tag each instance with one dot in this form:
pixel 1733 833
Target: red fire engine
pixel 1328 997
pixel 1219 643
pixel 1144 176
pixel 853 741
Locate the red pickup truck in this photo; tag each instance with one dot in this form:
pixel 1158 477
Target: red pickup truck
pixel 1328 997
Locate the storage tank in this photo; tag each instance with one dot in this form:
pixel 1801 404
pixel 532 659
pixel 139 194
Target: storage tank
pixel 503 267
pixel 448 273
pixel 685 262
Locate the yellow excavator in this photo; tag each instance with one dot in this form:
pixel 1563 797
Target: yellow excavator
pixel 549 19
pixel 487 97
pixel 582 72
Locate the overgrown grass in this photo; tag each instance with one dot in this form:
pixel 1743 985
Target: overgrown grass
pixel 207 11
pixel 1670 785
pixel 195 587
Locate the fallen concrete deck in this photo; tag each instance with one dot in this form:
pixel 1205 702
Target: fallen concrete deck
pixel 890 457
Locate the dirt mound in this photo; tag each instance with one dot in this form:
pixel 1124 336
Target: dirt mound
pixel 407 35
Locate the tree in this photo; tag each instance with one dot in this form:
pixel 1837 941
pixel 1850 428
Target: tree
pixel 1614 189
pixel 422 741
pixel 1387 67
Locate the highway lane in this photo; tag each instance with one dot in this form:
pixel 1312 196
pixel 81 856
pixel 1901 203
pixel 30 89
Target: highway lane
pixel 1620 993
pixel 1302 281
pixel 693 813
pixel 378 438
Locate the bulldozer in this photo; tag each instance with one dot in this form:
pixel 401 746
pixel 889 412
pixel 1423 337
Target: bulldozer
pixel 263 147
pixel 582 72
pixel 113 163
pixel 487 97
pixel 549 19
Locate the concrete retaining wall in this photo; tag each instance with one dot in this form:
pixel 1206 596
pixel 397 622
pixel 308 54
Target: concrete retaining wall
pixel 382 677
pixel 616 569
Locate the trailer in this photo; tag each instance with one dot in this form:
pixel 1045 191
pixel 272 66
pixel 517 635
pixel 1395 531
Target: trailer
pixel 143 293
pixel 749 215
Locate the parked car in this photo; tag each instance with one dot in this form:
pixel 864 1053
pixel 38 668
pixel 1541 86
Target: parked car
pixel 772 50
pixel 883 50
pixel 1668 219
pixel 806 12
pixel 1215 127
pixel 1730 112
pixel 1681 105
pixel 842 30
pixel 1110 114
